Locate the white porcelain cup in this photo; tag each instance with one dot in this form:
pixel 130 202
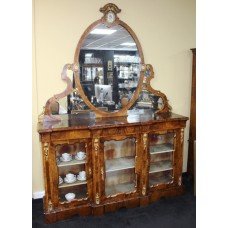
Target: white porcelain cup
pixel 82 174
pixel 66 156
pixel 70 176
pixel 70 196
pixel 81 154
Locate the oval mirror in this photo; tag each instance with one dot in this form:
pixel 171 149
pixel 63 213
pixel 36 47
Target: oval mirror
pixel 109 76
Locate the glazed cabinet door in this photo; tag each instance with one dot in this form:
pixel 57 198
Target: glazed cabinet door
pixel 119 167
pixel 71 176
pixel 162 152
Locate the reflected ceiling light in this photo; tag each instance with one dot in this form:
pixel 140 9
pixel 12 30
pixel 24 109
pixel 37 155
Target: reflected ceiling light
pixel 88 54
pixel 128 44
pixel 103 31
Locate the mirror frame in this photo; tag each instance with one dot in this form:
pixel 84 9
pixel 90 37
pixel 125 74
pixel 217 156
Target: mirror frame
pixel 146 76
pixel 110 7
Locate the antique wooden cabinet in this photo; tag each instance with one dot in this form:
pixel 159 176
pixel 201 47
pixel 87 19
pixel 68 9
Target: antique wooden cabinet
pixel 121 146
pixel 130 161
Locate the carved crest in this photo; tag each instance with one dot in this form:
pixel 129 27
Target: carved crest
pixel 110 7
pixel 110 12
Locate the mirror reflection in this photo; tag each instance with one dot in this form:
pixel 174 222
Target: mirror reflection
pixel 147 100
pixel 109 67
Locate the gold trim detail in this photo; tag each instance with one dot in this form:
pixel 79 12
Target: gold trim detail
pixel 46 150
pixel 50 206
pixel 145 136
pixel 90 171
pixel 96 145
pixel 144 190
pixel 102 173
pixel 97 198
pixel 179 180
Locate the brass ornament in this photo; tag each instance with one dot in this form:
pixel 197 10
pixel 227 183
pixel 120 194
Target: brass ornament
pixel 97 198
pixel 102 173
pixel 90 171
pixel 144 190
pixel 46 150
pixel 145 136
pixel 96 145
pixel 50 206
pixel 179 180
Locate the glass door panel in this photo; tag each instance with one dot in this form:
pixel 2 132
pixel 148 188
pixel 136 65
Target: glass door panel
pixel 71 161
pixel 120 166
pixel 161 148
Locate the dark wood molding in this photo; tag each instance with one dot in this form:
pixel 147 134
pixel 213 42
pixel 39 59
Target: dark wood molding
pixel 192 129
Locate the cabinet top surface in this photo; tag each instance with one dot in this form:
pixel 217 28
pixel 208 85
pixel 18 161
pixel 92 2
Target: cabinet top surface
pixel 88 121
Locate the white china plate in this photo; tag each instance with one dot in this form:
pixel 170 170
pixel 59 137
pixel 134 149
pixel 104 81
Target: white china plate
pixel 69 182
pixel 81 179
pixel 61 181
pixel 63 160
pixel 80 159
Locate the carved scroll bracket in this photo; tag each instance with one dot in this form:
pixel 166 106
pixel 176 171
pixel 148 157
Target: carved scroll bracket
pixel 46 115
pixel 148 73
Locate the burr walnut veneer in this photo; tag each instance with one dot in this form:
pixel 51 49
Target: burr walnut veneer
pixel 130 161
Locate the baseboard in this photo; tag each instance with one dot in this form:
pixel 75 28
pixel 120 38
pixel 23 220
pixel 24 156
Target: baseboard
pixel 38 195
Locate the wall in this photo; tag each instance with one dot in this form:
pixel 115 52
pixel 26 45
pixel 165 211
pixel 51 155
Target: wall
pixel 166 31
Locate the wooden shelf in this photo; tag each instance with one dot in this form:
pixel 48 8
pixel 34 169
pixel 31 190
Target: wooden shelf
pixel 78 196
pixel 92 65
pixel 160 180
pixel 119 188
pixel 161 148
pixel 122 63
pixel 160 166
pixel 72 162
pixel 117 164
pixel 76 183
